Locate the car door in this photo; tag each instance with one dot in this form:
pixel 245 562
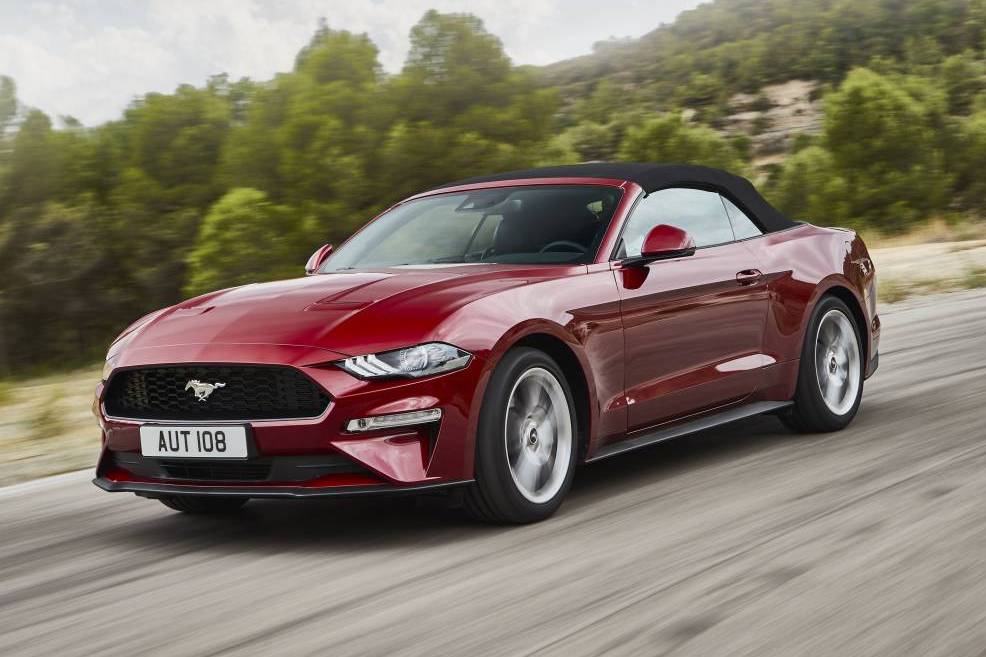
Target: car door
pixel 693 326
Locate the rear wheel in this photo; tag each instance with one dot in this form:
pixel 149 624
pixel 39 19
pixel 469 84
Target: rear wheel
pixel 201 504
pixel 830 380
pixel 526 441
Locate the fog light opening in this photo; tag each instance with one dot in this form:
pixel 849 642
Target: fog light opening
pixel 377 422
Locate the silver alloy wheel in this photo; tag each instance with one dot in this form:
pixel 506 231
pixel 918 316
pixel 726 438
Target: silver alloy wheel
pixel 837 362
pixel 538 435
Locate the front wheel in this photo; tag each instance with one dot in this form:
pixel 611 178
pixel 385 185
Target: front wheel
pixel 526 442
pixel 830 380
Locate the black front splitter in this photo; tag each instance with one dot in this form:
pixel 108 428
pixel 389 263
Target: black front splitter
pixel 145 489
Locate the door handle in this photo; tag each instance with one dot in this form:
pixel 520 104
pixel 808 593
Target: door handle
pixel 749 277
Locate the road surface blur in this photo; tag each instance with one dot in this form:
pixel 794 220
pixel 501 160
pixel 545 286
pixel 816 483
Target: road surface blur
pixel 746 540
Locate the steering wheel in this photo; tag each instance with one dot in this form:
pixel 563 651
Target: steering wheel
pixel 572 246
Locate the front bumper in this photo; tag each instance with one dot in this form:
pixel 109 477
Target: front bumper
pixel 399 460
pixel 874 362
pixel 161 489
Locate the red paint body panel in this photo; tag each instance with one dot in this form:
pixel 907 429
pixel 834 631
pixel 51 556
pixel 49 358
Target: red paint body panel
pixel 655 343
pixel 684 324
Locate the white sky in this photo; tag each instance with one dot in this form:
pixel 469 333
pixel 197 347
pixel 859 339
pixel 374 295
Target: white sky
pixel 89 58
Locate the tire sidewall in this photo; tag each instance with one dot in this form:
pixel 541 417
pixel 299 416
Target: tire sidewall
pixel 492 468
pixel 809 397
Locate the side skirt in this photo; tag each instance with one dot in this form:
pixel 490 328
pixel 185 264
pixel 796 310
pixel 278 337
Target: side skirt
pixel 689 427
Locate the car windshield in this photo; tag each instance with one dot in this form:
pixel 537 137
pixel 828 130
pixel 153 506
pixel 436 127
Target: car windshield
pixel 557 224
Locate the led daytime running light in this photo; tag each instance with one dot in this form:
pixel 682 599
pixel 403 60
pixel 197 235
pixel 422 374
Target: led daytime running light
pixel 378 422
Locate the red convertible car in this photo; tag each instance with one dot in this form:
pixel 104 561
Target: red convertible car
pixel 489 335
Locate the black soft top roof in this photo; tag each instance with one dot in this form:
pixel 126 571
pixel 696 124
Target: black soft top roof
pixel 653 177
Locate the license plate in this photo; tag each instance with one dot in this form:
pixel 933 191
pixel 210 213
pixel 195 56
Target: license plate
pixel 193 442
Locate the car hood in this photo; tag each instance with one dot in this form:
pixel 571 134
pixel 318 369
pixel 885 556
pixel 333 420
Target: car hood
pixel 347 312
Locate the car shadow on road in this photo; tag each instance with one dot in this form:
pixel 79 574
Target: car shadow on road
pixel 361 524
pixel 669 458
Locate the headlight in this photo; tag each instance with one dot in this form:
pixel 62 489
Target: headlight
pixel 413 362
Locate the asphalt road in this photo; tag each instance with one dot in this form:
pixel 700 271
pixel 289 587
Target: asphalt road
pixel 741 541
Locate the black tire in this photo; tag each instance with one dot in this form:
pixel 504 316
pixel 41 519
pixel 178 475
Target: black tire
pixel 495 496
pixel 202 504
pixel 811 413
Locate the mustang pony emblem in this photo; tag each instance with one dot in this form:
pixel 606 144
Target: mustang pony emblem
pixel 203 390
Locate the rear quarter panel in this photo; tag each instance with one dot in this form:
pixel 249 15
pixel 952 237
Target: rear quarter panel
pixel 803 264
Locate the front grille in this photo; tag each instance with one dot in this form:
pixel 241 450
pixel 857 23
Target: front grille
pixel 215 471
pixel 249 392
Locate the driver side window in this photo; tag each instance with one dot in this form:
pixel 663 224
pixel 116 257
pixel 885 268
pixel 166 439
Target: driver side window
pixel 696 211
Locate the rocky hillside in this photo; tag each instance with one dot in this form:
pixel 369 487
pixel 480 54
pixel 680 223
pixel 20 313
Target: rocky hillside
pixel 759 67
pixel 774 117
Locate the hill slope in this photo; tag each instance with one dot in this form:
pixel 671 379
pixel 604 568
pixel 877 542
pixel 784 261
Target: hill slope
pixel 730 46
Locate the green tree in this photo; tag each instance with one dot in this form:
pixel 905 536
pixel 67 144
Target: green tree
pixel 458 76
pixel 52 297
pixel 307 136
pixel 962 78
pixel 670 139
pixel 8 102
pixel 598 106
pixel 701 89
pixel 884 145
pixel 968 161
pixel 809 188
pixel 35 163
pixel 593 141
pixel 177 139
pixel 456 63
pixel 245 238
pixel 338 56
pixel 461 109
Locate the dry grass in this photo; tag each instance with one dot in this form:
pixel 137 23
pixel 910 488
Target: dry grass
pixel 892 291
pixel 935 231
pixel 928 267
pixel 975 278
pixel 970 245
pixel 46 426
pixel 47 420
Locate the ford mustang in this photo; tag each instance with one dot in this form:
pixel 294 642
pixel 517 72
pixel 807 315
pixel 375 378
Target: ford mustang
pixel 486 337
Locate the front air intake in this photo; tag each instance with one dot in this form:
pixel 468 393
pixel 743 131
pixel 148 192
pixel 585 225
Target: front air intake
pixel 193 392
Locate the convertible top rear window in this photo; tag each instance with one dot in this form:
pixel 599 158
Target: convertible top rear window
pixel 533 224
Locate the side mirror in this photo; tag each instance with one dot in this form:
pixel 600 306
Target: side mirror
pixel 318 259
pixel 662 243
